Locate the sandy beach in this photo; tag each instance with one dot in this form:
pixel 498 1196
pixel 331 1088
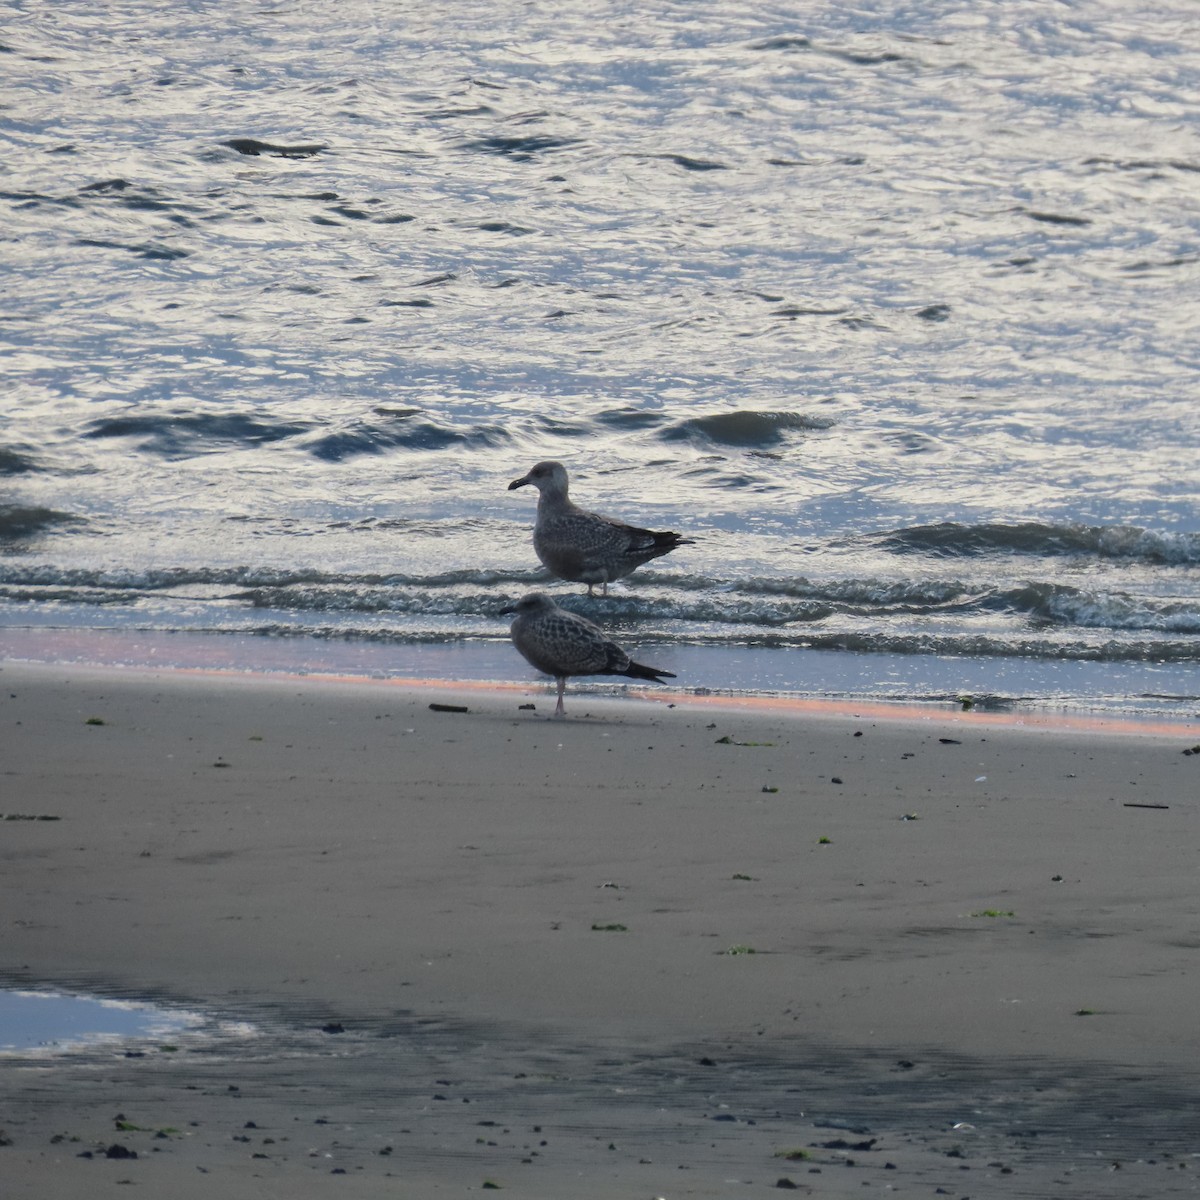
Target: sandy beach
pixel 661 948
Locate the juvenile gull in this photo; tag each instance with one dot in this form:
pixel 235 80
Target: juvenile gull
pixel 561 643
pixel 582 546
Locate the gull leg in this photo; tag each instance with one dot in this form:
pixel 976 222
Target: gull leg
pixel 559 710
pixel 605 592
pixel 590 586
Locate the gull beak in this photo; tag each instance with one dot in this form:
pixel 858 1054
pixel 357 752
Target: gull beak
pixel 512 608
pixel 516 483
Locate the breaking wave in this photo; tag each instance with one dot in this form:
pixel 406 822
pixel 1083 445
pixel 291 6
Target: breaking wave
pixel 923 615
pixel 950 539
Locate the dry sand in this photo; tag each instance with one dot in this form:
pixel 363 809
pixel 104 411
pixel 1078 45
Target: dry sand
pixel 640 952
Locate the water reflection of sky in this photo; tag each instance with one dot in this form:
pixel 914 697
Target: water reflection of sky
pixel 33 1020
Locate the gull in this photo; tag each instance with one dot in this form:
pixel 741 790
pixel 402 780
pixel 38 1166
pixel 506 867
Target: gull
pixel 562 643
pixel 582 546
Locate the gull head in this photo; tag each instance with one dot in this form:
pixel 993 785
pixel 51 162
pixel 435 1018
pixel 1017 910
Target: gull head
pixel 550 478
pixel 531 605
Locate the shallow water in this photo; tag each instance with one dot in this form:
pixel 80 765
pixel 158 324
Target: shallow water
pixel 891 311
pixel 56 1021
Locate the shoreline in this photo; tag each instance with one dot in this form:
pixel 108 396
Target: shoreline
pixel 561 922
pixel 494 666
pixel 779 705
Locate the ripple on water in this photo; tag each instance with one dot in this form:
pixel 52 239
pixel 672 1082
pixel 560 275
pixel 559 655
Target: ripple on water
pixel 183 434
pixel 20 523
pixel 745 428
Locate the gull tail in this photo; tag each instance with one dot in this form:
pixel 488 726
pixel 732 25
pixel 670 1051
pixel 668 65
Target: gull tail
pixel 637 670
pixel 666 539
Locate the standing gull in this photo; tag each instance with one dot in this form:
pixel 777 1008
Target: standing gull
pixel 561 643
pixel 582 546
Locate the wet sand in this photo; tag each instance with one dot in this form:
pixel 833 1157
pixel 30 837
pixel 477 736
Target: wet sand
pixel 647 951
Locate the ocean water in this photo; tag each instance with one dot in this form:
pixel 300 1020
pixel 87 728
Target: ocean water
pixel 892 307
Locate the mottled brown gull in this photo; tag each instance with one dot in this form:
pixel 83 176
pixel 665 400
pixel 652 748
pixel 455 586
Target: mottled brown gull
pixel 562 643
pixel 582 546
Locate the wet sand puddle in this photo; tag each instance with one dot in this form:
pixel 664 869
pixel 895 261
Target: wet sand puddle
pixel 49 1022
